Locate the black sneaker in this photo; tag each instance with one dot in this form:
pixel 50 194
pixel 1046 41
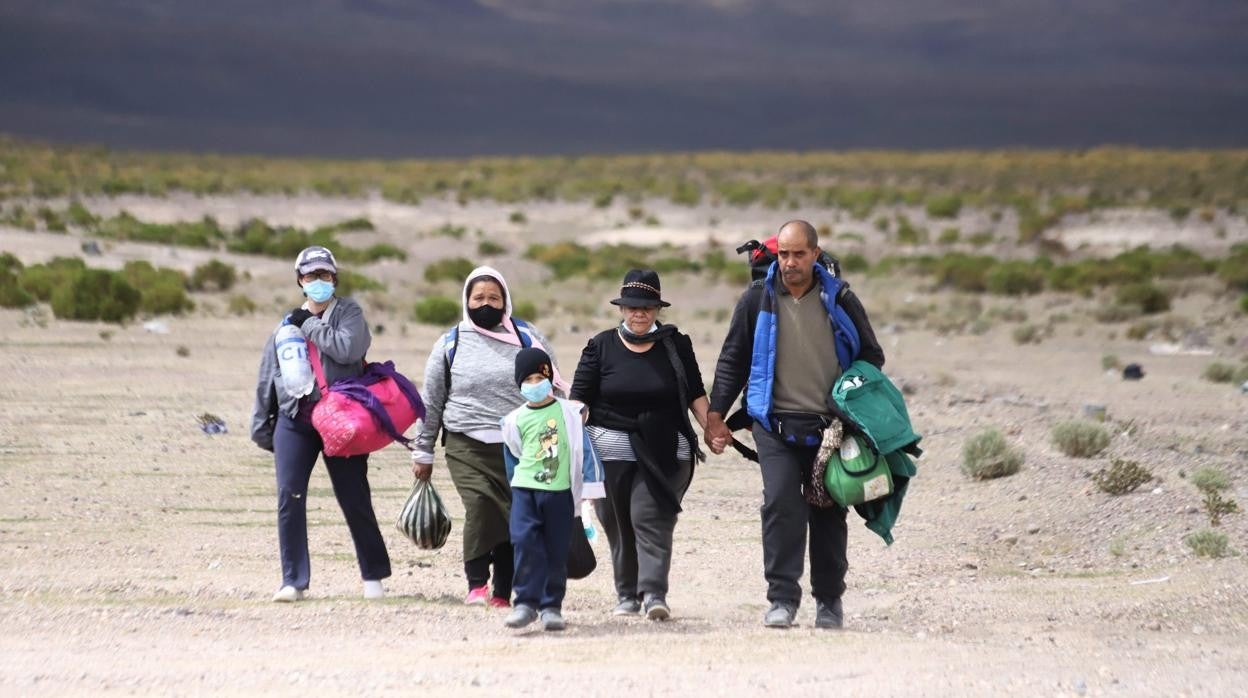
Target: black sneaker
pixel 656 608
pixel 780 615
pixel 829 615
pixel 627 607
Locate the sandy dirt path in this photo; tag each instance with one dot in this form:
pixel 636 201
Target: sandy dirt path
pixel 137 554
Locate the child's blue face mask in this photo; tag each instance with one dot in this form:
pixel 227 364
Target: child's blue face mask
pixel 536 392
pixel 319 290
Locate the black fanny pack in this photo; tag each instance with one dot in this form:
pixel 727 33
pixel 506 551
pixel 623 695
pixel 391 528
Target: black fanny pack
pixel 799 428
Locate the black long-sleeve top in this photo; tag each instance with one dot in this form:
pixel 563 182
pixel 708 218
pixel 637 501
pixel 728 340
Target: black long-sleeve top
pixel 628 383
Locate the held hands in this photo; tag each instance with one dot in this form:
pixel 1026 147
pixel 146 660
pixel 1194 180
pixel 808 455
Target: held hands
pixel 298 316
pixel 717 434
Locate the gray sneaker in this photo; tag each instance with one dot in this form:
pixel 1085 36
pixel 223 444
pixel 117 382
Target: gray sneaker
pixel 656 608
pixel 520 616
pixel 552 619
pixel 780 615
pixel 627 607
pixel 829 615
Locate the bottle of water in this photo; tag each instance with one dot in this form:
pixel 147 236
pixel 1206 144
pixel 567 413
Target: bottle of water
pixel 587 513
pixel 292 360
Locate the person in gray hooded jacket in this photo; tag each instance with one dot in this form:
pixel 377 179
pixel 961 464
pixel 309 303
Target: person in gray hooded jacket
pixel 282 423
pixel 467 393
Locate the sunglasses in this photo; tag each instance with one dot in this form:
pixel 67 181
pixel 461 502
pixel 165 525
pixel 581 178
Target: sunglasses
pixel 323 275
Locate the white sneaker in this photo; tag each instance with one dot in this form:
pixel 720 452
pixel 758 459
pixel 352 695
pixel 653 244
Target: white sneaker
pixel 373 589
pixel 287 594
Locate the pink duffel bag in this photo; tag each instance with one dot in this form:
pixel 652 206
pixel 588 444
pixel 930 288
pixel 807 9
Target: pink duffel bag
pixel 367 412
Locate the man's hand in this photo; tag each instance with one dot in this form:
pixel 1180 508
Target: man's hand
pixel 717 434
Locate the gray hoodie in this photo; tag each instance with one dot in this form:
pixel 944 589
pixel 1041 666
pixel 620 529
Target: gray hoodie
pixel 341 336
pixel 483 383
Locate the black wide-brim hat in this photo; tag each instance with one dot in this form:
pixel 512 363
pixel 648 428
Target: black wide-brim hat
pixel 641 289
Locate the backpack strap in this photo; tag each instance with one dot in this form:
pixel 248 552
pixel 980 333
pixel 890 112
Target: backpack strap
pixel 524 331
pixel 448 349
pixel 314 358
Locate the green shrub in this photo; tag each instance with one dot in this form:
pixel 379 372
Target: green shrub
pixel 908 233
pixel 204 233
pixel 1149 298
pixel 41 280
pixel 1028 334
pixel 944 206
pixel 96 294
pixel 1208 543
pixel 1218 372
pixel 51 220
pixel 1243 303
pixel 354 224
pixel 1234 269
pixel 436 310
pixel 855 263
pixel 9 262
pixel 162 291
pixel 1110 362
pixel 1116 313
pixel 987 455
pixel 19 217
pixel 949 236
pixel 1080 439
pixel 351 283
pixel 213 275
pixel 80 216
pixel 1217 506
pixel 241 305
pixel 981 239
pixel 368 255
pixel 1210 479
pixel 1121 477
pixel 1014 279
pixel 449 269
pixel 518 217
pixel 961 272
pixel 12 295
pixel 489 248
pixel 525 310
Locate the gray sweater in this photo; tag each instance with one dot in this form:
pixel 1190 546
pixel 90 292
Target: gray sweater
pixel 341 336
pixel 483 386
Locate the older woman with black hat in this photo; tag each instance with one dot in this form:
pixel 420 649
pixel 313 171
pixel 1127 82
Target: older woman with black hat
pixel 640 379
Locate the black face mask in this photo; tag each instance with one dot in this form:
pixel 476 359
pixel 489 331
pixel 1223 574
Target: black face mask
pixel 486 316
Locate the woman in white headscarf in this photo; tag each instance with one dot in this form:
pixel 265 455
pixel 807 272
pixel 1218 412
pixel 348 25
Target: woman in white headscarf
pixel 469 387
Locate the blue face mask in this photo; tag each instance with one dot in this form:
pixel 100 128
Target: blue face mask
pixel 536 392
pixel 319 291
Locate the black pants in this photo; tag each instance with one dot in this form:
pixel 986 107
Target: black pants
pixel 477 570
pixel 786 517
pixel 296 446
pixel 639 530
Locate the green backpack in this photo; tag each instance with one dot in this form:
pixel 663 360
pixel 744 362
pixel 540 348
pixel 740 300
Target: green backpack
pixel 857 474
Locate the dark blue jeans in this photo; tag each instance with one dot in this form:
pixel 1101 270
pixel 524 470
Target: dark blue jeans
pixel 541 531
pixel 296 446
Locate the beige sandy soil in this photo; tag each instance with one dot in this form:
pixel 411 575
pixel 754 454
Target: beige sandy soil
pixel 137 555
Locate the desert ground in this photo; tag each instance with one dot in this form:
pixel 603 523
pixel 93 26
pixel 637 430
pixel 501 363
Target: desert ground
pixel 138 554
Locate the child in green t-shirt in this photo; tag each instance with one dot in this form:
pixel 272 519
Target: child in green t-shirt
pixel 543 440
